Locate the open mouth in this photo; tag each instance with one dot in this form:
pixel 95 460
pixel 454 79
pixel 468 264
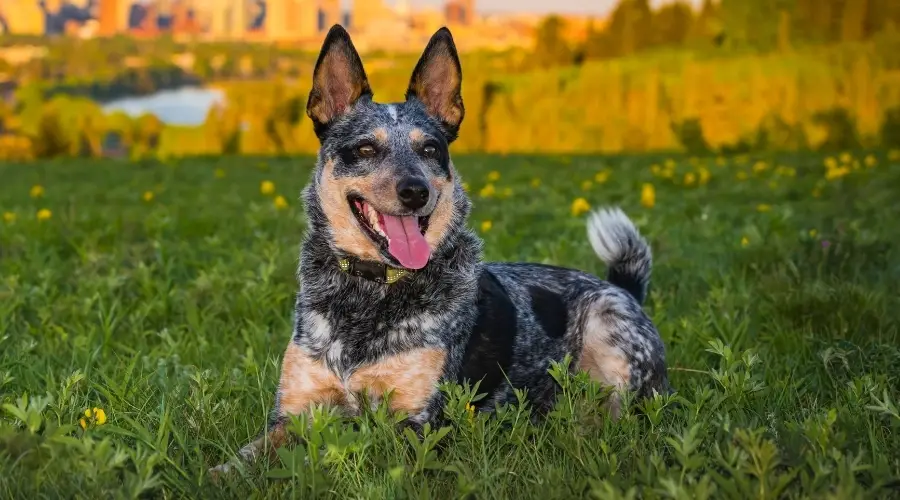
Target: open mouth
pixel 401 237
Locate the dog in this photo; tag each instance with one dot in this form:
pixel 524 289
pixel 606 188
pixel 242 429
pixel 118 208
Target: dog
pixel 394 294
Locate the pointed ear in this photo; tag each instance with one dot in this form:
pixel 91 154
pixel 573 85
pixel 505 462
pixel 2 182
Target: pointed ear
pixel 437 82
pixel 338 80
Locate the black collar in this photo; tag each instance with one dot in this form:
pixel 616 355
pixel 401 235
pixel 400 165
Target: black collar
pixel 372 271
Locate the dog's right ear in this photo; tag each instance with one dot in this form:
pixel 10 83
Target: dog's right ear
pixel 338 80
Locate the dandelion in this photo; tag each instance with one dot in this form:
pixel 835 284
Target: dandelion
pixel 535 183
pixel 486 226
pixel 830 163
pixel 465 186
pixel 280 202
pixel 648 195
pixel 601 177
pixel 267 187
pixel 487 191
pixel 580 206
pixel 894 155
pixel 813 233
pixel 9 217
pixel 846 157
pixel 670 164
pixel 871 161
pixel 745 241
pixel 494 176
pixel 762 207
pixel 836 173
pixel 219 173
pixel 587 185
pixel 704 176
pixel 655 170
pixel 148 196
pixel 37 191
pixel 690 179
pixel 44 214
pixel 760 166
pixel 95 416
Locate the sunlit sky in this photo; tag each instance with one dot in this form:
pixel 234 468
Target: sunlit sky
pixel 543 6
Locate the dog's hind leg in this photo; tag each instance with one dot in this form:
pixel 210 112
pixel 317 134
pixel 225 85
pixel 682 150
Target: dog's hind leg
pixel 304 382
pixel 621 348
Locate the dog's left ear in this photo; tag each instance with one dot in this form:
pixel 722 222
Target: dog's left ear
pixel 437 83
pixel 339 80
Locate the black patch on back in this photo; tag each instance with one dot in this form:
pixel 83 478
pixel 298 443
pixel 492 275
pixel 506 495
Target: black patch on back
pixel 626 281
pixel 489 352
pixel 550 310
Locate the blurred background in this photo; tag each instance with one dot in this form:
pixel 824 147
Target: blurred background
pixel 173 78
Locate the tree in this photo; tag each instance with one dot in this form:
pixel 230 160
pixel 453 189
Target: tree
pixel 853 20
pixel 551 49
pixel 672 23
pixel 631 27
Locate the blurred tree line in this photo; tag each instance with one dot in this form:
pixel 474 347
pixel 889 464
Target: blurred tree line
pixel 738 25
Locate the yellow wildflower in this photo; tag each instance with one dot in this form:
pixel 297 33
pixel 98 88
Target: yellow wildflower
pixel 813 233
pixel 830 163
pixel 648 195
pixel 741 176
pixel 94 416
pixel 670 164
pixel 690 179
pixel 470 410
pixel 267 187
pixel 465 186
pixel 507 192
pixel 760 166
pixel 655 169
pixel 601 177
pixel 587 185
pixel 762 207
pixel 745 241
pixel 280 202
pixel 44 214
pixel 668 173
pixel 148 196
pixel 494 176
pixel 846 157
pixel 704 176
pixel 894 155
pixel 486 226
pixel 487 191
pixel 837 173
pixel 219 173
pixel 535 182
pixel 37 191
pixel 871 161
pixel 580 206
pixel 9 217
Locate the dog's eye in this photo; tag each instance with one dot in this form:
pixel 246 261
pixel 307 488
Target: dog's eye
pixel 430 151
pixel 366 150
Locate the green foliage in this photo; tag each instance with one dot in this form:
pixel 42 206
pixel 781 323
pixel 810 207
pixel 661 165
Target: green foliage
pixel 171 315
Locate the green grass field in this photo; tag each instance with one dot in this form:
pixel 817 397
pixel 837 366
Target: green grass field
pixel 774 288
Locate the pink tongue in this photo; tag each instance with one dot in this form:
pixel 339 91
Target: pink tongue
pixel 406 242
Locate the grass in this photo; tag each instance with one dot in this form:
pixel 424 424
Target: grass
pixel 774 289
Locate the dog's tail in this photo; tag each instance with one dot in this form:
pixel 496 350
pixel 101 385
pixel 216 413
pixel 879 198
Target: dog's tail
pixel 622 248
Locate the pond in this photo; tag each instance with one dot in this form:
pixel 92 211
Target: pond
pixel 187 106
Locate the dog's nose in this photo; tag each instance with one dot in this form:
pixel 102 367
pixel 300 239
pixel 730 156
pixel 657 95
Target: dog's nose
pixel 413 193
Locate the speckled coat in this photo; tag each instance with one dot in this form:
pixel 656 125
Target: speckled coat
pixel 457 318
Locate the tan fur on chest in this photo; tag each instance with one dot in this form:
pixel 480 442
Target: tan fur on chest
pixel 412 377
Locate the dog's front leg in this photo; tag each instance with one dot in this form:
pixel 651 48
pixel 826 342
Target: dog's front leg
pixel 304 382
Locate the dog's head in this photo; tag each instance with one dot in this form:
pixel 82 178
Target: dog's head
pixel 384 181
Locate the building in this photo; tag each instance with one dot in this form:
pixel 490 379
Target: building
pixel 460 12
pixel 113 16
pixel 23 17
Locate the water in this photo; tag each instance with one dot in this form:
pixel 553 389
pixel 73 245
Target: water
pixel 187 106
